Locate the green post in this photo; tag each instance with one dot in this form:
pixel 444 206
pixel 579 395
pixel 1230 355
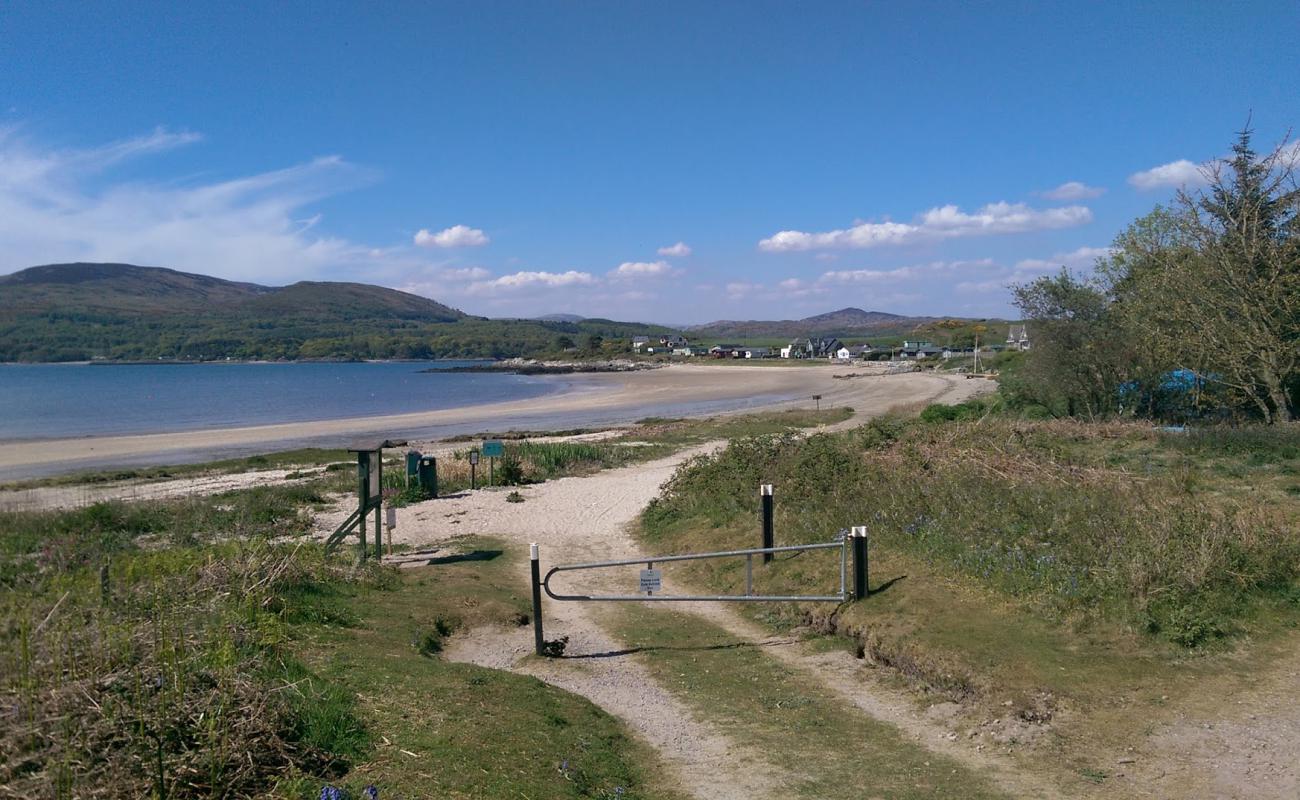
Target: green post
pixel 363 483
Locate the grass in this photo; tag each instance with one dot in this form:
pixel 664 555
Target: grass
pixel 277 460
pixel 1008 506
pixel 527 461
pixel 456 730
pixel 166 674
pixel 196 648
pixel 826 748
pixel 1022 568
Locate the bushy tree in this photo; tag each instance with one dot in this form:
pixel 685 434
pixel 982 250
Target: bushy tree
pixel 1209 285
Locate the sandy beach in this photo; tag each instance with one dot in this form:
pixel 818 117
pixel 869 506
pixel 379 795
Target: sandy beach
pixel 602 399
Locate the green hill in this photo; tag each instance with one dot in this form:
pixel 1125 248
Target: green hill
pixel 78 312
pixel 846 322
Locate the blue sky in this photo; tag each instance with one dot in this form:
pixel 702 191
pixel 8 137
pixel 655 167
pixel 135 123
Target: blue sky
pixel 675 162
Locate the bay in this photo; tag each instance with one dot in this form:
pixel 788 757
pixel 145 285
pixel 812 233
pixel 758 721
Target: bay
pixel 43 401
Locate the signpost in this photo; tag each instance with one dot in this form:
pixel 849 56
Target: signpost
pixel 818 398
pixel 370 468
pixel 651 580
pixel 493 449
pixel 473 469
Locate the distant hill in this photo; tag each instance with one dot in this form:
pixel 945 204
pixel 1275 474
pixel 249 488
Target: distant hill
pixel 844 322
pixel 85 311
pixel 560 318
pixel 126 288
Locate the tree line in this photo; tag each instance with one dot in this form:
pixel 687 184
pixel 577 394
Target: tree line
pixel 1195 314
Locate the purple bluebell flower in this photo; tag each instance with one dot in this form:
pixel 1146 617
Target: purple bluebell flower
pixel 328 792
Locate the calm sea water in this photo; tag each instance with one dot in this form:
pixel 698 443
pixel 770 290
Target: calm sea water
pixel 40 401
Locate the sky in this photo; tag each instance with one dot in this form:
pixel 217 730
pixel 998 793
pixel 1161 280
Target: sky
pixel 675 162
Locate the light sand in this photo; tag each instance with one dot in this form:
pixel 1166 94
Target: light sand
pixel 594 397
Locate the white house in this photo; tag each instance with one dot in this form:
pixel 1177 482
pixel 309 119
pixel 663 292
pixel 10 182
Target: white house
pixel 1018 337
pixel 787 351
pixel 843 354
pixel 757 352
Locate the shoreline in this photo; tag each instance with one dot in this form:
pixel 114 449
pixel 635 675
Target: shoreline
pixel 586 400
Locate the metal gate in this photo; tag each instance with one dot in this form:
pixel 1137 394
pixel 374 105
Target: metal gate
pixel 852 545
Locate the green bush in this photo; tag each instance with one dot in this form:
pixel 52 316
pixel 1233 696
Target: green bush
pixel 1013 506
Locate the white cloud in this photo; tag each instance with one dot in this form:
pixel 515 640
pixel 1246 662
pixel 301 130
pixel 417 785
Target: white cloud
pixel 943 222
pixel 867 275
pixel 55 205
pixel 1073 190
pixel 643 269
pixel 533 280
pixel 675 251
pixel 1081 258
pixel 464 273
pixel 1172 175
pixel 455 236
pixel 740 289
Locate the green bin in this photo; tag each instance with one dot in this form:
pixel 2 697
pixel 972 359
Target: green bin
pixel 412 467
pixel 429 475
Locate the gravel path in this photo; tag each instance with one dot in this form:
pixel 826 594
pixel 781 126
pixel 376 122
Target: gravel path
pixel 587 519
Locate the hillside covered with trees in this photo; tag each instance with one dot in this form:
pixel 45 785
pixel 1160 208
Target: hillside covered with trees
pixel 80 312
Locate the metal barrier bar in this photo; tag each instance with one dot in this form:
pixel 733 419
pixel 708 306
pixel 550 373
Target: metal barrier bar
pixel 748 596
pixel 846 540
pixel 697 556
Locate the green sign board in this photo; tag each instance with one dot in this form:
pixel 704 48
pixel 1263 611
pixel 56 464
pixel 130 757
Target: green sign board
pixel 493 448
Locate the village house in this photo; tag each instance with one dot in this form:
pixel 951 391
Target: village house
pixel 812 347
pixel 1018 337
pixel 639 343
pixel 727 351
pixel 673 342
pixel 918 348
pixel 757 352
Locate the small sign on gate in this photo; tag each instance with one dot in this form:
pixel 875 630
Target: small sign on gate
pixel 651 580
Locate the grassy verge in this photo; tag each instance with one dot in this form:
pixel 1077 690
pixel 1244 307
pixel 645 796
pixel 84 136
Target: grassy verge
pixel 304 457
pixel 1037 570
pixel 456 730
pixel 535 461
pixel 826 748
pixel 166 674
pixel 197 648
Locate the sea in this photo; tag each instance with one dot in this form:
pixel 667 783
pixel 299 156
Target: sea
pixel 49 401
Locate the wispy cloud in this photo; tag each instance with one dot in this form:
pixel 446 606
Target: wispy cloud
pixel 643 269
pixel 54 207
pixel 1073 190
pixel 1081 258
pixel 1173 175
pixel 455 236
pixel 517 281
pixel 943 222
pixel 678 250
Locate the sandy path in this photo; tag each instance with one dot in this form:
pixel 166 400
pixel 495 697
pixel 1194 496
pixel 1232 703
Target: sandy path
pixel 628 395
pixel 587 519
pixel 1244 742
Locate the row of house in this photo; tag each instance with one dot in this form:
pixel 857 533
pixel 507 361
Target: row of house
pixel 820 347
